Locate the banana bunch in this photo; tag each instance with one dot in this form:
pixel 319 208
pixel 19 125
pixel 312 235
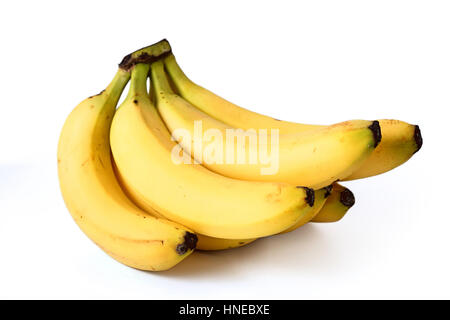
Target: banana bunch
pixel 155 179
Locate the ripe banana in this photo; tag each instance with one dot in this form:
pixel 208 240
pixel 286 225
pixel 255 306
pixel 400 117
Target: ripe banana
pixel 400 139
pixel 204 201
pixel 211 244
pixel 336 201
pixel 204 243
pixel 337 205
pixel 95 199
pixel 314 158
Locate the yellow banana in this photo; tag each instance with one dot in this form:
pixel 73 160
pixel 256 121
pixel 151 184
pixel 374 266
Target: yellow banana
pixel 314 158
pixel 212 244
pixel 204 201
pixel 95 199
pixel 340 200
pixel 400 140
pixel 204 243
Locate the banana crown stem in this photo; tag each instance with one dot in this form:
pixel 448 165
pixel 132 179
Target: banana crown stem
pixel 146 55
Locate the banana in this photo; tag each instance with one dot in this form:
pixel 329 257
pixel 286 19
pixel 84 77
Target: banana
pixel 96 201
pixel 212 244
pixel 204 243
pixel 315 158
pixel 340 201
pixel 400 139
pixel 203 201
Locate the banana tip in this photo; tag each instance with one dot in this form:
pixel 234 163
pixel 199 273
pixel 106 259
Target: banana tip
pixel 376 132
pixel 328 190
pixel 310 195
pixel 418 137
pixel 347 198
pixel 189 243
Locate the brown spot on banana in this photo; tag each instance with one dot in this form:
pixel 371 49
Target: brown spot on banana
pixel 85 162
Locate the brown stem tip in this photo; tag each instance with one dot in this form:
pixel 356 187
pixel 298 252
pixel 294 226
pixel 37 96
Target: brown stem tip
pixel 328 190
pixel 146 55
pixel 347 198
pixel 310 195
pixel 190 242
pixel 126 62
pixel 418 138
pixel 376 131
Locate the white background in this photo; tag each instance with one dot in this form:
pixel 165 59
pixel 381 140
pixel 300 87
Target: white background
pixel 310 61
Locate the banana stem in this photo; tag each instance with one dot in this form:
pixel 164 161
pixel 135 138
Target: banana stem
pixel 118 83
pixel 146 55
pixel 138 83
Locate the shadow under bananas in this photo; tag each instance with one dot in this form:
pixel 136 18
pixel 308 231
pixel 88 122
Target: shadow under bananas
pixel 306 249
